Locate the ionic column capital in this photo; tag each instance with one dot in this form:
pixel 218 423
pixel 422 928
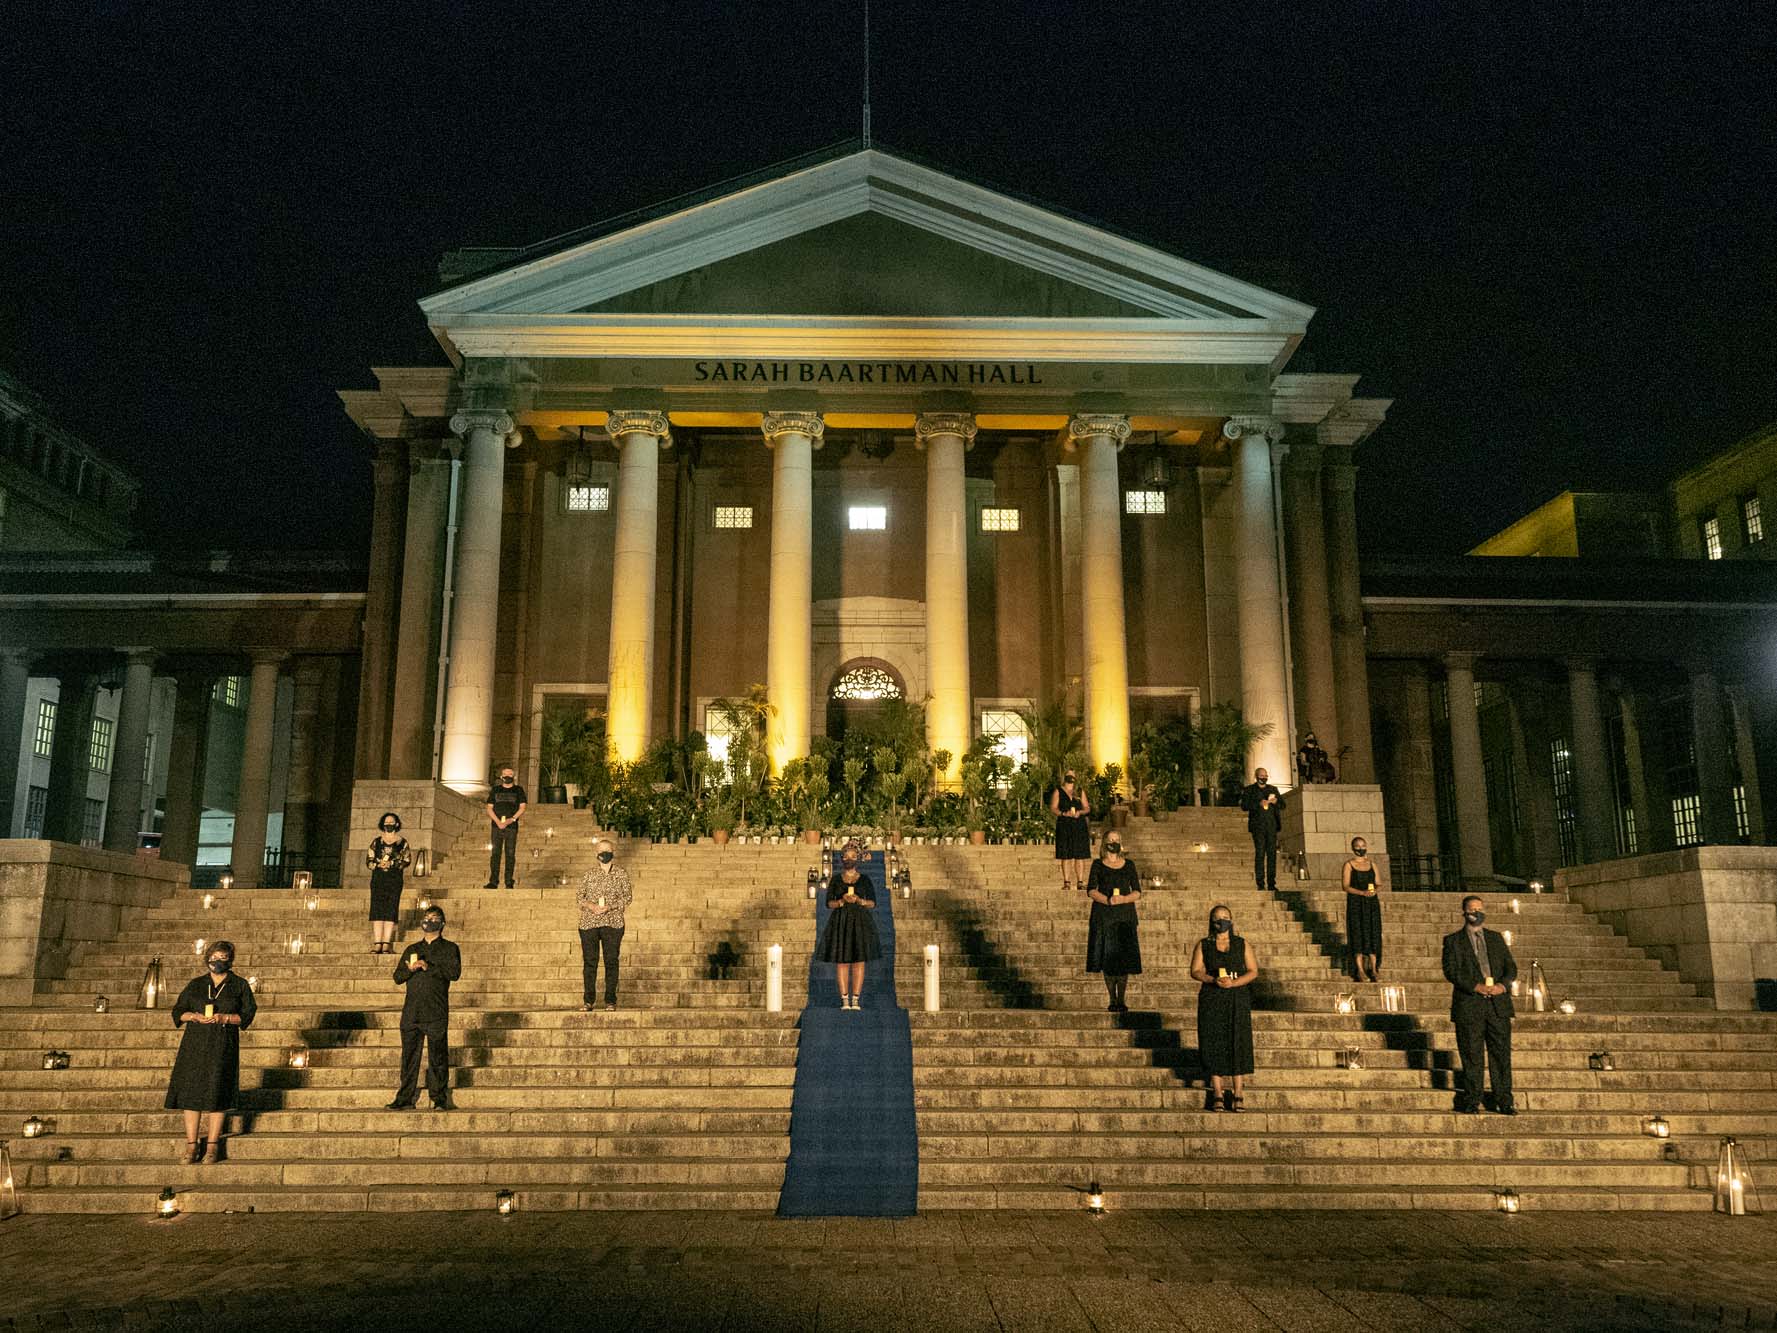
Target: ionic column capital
pixel 1238 428
pixel 639 421
pixel 944 423
pixel 774 424
pixel 1460 661
pixel 1097 425
pixel 495 420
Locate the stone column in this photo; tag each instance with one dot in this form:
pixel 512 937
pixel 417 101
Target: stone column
pixel 1351 671
pixel 1264 681
pixel 1474 838
pixel 1709 741
pixel 123 810
pixel 381 597
pixel 185 768
pixel 70 760
pixel 252 805
pixel 15 681
pixel 475 606
pixel 1311 618
pixel 792 437
pixel 412 714
pixel 1595 804
pixel 639 437
pixel 1098 437
pixel 950 722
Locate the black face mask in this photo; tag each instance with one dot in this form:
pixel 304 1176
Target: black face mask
pixel 849 863
pixel 1221 927
pixel 605 858
pixel 431 927
pixel 1474 918
pixel 507 782
pixel 390 828
pixel 1113 848
pixel 219 966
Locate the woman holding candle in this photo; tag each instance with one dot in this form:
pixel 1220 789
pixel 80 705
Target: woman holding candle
pixel 1113 945
pixel 387 858
pixel 850 938
pixel 1073 831
pixel 1226 966
pixel 1363 913
pixel 212 1010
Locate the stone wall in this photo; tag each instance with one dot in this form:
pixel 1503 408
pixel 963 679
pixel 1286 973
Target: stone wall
pixel 432 816
pixel 1322 821
pixel 1709 912
pixel 57 901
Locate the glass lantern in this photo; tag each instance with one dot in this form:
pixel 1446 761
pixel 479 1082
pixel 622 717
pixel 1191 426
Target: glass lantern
pixel 1506 1201
pixel 504 1203
pixel 1657 1127
pixel 1601 1060
pixel 1394 999
pixel 149 996
pixel 101 1005
pixel 302 881
pixel 9 1190
pixel 298 1057
pixel 1351 1058
pixel 1344 1002
pixel 35 1127
pixel 1735 1194
pixel 1539 988
pixel 167 1205
pixel 1095 1199
pixel 225 880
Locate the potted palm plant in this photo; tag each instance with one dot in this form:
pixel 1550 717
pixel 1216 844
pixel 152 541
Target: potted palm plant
pixel 1221 739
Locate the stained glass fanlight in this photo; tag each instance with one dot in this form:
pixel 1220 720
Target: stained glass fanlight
pixel 865 682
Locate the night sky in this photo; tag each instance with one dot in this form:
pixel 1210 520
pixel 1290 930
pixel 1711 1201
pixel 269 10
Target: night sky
pixel 1547 235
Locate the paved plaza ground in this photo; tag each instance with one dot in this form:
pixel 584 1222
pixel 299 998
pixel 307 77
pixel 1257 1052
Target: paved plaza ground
pixel 977 1271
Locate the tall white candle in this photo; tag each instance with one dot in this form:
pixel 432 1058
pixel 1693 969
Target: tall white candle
pixel 774 979
pixel 932 997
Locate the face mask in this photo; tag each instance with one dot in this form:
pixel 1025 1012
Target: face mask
pixel 849 863
pixel 605 858
pixel 506 782
pixel 1114 848
pixel 1474 918
pixel 218 965
pixel 390 828
pixel 432 927
pixel 1221 927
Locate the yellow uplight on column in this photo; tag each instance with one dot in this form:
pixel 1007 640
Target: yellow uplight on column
pixel 639 436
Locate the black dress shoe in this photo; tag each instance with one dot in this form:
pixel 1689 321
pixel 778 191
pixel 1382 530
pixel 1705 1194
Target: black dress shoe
pixel 1468 1110
pixel 490 885
pixel 446 1105
pixel 399 1105
pixel 1507 1109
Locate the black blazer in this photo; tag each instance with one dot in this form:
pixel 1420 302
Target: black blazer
pixel 1259 819
pixel 1463 971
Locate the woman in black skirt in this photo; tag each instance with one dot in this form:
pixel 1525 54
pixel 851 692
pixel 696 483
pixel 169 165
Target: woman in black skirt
pixel 1363 913
pixel 1073 831
pixel 206 1078
pixel 850 938
pixel 1113 945
pixel 387 858
pixel 1226 965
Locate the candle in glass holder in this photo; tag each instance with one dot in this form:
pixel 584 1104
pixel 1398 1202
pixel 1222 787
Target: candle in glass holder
pixel 209 901
pixel 209 1011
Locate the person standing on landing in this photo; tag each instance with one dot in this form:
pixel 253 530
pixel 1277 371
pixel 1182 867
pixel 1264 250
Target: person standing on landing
pixel 505 807
pixel 1073 831
pixel 605 894
pixel 850 939
pixel 1263 804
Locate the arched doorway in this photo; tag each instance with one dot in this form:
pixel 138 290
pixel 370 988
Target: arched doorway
pixel 859 688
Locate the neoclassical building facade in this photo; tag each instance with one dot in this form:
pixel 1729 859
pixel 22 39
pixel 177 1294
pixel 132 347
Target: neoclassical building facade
pixel 858 416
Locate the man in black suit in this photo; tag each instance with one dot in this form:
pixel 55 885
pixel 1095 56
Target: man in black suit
pixel 1480 969
pixel 427 969
pixel 1263 804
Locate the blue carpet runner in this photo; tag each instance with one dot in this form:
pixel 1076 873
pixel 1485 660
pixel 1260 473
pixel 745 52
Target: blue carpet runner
pixel 854 1145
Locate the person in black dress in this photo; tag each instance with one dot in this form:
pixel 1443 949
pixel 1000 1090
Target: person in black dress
pixel 1227 967
pixel 1113 945
pixel 1363 913
pixel 427 969
pixel 1073 831
pixel 212 1010
pixel 387 858
pixel 850 938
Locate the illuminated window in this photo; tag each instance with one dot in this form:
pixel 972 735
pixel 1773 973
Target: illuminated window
pixel 867 518
pixel 148 759
pixel 734 516
pixel 1742 820
pixel 228 691
pixel 1684 820
pixel 1752 522
pixel 1144 502
pixel 1566 821
pixel 1008 728
pixel 45 738
pixel 999 520
pixel 586 499
pixel 866 682
pixel 98 756
pixel 1712 538
pixel 718 736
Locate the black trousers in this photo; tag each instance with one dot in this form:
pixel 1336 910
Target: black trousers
pixel 1482 1031
pixel 1265 858
pixel 504 840
pixel 609 940
pixel 437 1040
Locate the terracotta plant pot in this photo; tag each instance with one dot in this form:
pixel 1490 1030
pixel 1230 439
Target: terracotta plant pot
pixel 978 837
pixel 812 836
pixel 719 837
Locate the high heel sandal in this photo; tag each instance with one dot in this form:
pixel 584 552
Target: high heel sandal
pixel 213 1152
pixel 189 1155
pixel 1211 1101
pixel 1236 1103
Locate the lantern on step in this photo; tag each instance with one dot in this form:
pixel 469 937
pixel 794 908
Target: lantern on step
pixel 55 1059
pixel 9 1190
pixel 302 881
pixel 826 863
pixel 1095 1199
pixel 1394 999
pixel 295 945
pixel 101 1005
pixel 1539 988
pixel 197 946
pixel 1506 935
pixel 1351 1058
pixel 1202 847
pixel 813 884
pixel 1516 986
pixel 1657 1127
pixel 422 863
pixel 549 833
pixel 166 1206
pixel 253 984
pixel 1302 865
pixel 298 1057
pixel 1601 1060
pixel 209 901
pixel 774 979
pixel 906 882
pixel 1517 907
pixel 1734 1191
pixel 1536 886
pixel 149 996
pixel 1506 1201
pixel 424 903
pixel 1568 1007
pixel 225 880
pixel 35 1127
pixel 1344 1002
pixel 504 1203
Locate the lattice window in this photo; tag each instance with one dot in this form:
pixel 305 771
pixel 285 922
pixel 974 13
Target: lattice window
pixel 867 518
pixel 98 753
pixel 1013 736
pixel 1685 810
pixel 44 738
pixel 92 826
pixel 586 498
pixel 866 682
pixel 1742 820
pixel 228 691
pixel 1752 521
pixel 1144 502
pixel 1566 823
pixel 734 516
pixel 1000 520
pixel 1712 538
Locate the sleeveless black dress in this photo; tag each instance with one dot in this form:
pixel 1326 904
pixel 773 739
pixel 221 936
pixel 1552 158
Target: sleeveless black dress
pixel 1073 837
pixel 1363 916
pixel 1113 944
pixel 387 861
pixel 850 936
pixel 1225 1017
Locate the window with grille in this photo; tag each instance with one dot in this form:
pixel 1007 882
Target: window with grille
pixel 148 759
pixel 734 516
pixel 1684 820
pixel 1566 823
pixel 1712 538
pixel 228 691
pixel 36 802
pixel 1742 820
pixel 586 498
pixel 92 825
pixel 44 739
pixel 999 520
pixel 1144 502
pixel 867 518
pixel 1622 793
pixel 1008 728
pixel 98 751
pixel 718 737
pixel 1752 522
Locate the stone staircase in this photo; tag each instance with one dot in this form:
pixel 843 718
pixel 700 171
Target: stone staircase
pixel 1026 1089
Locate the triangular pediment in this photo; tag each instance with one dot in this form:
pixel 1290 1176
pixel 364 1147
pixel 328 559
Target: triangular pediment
pixel 864 235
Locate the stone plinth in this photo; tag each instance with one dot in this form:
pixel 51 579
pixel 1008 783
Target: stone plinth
pixel 58 900
pixel 1322 821
pixel 432 818
pixel 1709 912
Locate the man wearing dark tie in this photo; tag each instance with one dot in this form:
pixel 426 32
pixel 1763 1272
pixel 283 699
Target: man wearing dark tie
pixel 1263 804
pixel 1480 969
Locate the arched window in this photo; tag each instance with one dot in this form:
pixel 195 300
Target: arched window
pixel 866 682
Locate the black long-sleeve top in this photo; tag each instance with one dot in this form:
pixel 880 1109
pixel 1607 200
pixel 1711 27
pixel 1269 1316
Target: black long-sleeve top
pixel 428 989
